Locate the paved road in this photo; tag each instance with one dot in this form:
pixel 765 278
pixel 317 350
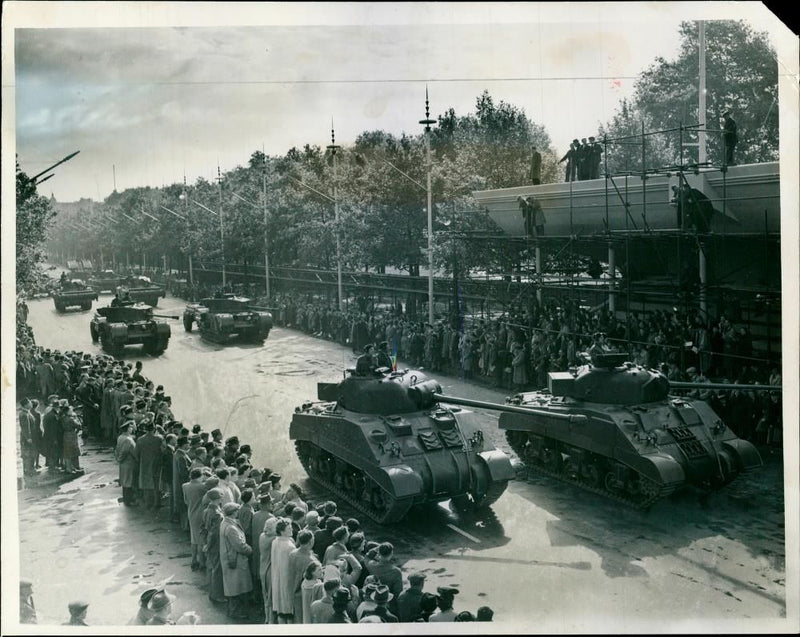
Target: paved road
pixel 548 556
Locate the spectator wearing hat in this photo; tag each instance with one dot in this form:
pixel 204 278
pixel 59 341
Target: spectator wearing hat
pixel 216 436
pixel 465 616
pixel 234 556
pixel 408 602
pixel 199 455
pixel 371 584
pixel 144 614
pixel 212 520
pixel 71 427
pixel 322 609
pixel 571 157
pixel 596 157
pixel 381 596
pixel 37 432
pixel 231 450
pixel 27 609
pixel 444 600
pixel 160 606
pixel 125 455
pixel 386 571
pixel 148 452
pixel 485 614
pixel 77 613
pixel 180 474
pixel 193 492
pixel 51 422
pixel 340 600
pixel 276 491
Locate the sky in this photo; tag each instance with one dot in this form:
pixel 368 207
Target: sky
pixel 181 89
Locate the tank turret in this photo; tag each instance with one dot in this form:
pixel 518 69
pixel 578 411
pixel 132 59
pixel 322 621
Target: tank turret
pixel 613 427
pixel 383 442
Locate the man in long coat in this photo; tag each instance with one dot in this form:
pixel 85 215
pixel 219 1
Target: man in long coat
pixel 125 455
pixel 299 559
pixel 212 519
pixel 193 492
pixel 180 474
pixel 282 595
pixel 234 553
pixel 148 452
pixel 27 438
pixel 265 540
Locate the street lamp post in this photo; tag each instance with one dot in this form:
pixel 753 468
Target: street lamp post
pixel 427 122
pixel 221 228
pixel 266 236
pixel 333 148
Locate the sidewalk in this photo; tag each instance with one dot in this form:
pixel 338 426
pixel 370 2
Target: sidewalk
pixel 78 541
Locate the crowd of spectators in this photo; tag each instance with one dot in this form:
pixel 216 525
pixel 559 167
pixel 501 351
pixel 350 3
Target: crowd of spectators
pixel 269 554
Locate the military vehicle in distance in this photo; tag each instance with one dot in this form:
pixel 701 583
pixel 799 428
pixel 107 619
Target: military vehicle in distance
pixel 104 281
pixel 140 289
pixel 611 427
pixel 383 443
pixel 116 326
pixel 73 293
pixel 228 317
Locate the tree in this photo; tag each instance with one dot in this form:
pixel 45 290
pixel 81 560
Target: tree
pixel 741 75
pixel 34 215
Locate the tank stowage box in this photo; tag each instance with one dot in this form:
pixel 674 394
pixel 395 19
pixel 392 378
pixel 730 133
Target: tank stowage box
pixel 222 319
pixel 383 443
pixel 612 427
pixel 130 324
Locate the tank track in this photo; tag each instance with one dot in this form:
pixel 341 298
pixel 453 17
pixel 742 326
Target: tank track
pixel 393 512
pixel 640 502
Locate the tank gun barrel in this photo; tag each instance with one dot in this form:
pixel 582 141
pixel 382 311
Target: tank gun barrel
pixel 169 316
pixel 528 411
pixel 724 386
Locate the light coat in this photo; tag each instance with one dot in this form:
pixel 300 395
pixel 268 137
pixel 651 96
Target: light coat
pixel 282 594
pixel 125 455
pixel 233 550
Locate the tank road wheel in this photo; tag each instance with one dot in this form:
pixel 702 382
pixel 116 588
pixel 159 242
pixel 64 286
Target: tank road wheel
pixel 552 460
pixel 93 332
pixel 610 482
pixel 380 501
pixel 187 323
pixel 590 473
pixel 518 440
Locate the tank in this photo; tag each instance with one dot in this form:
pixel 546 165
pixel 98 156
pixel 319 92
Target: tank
pixel 104 281
pixel 612 427
pixel 226 318
pixel 383 443
pixel 73 293
pixel 140 289
pixel 116 326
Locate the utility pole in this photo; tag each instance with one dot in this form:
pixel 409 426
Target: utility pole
pixel 186 210
pixel 221 227
pixel 266 234
pixel 427 122
pixel 333 148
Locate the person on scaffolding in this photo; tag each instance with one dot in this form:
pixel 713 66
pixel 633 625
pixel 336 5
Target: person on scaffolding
pixel 697 207
pixel 532 215
pixel 729 138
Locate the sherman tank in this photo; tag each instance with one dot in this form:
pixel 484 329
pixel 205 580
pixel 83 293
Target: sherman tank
pixel 140 289
pixel 383 443
pixel 229 317
pixel 116 326
pixel 612 427
pixel 73 293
